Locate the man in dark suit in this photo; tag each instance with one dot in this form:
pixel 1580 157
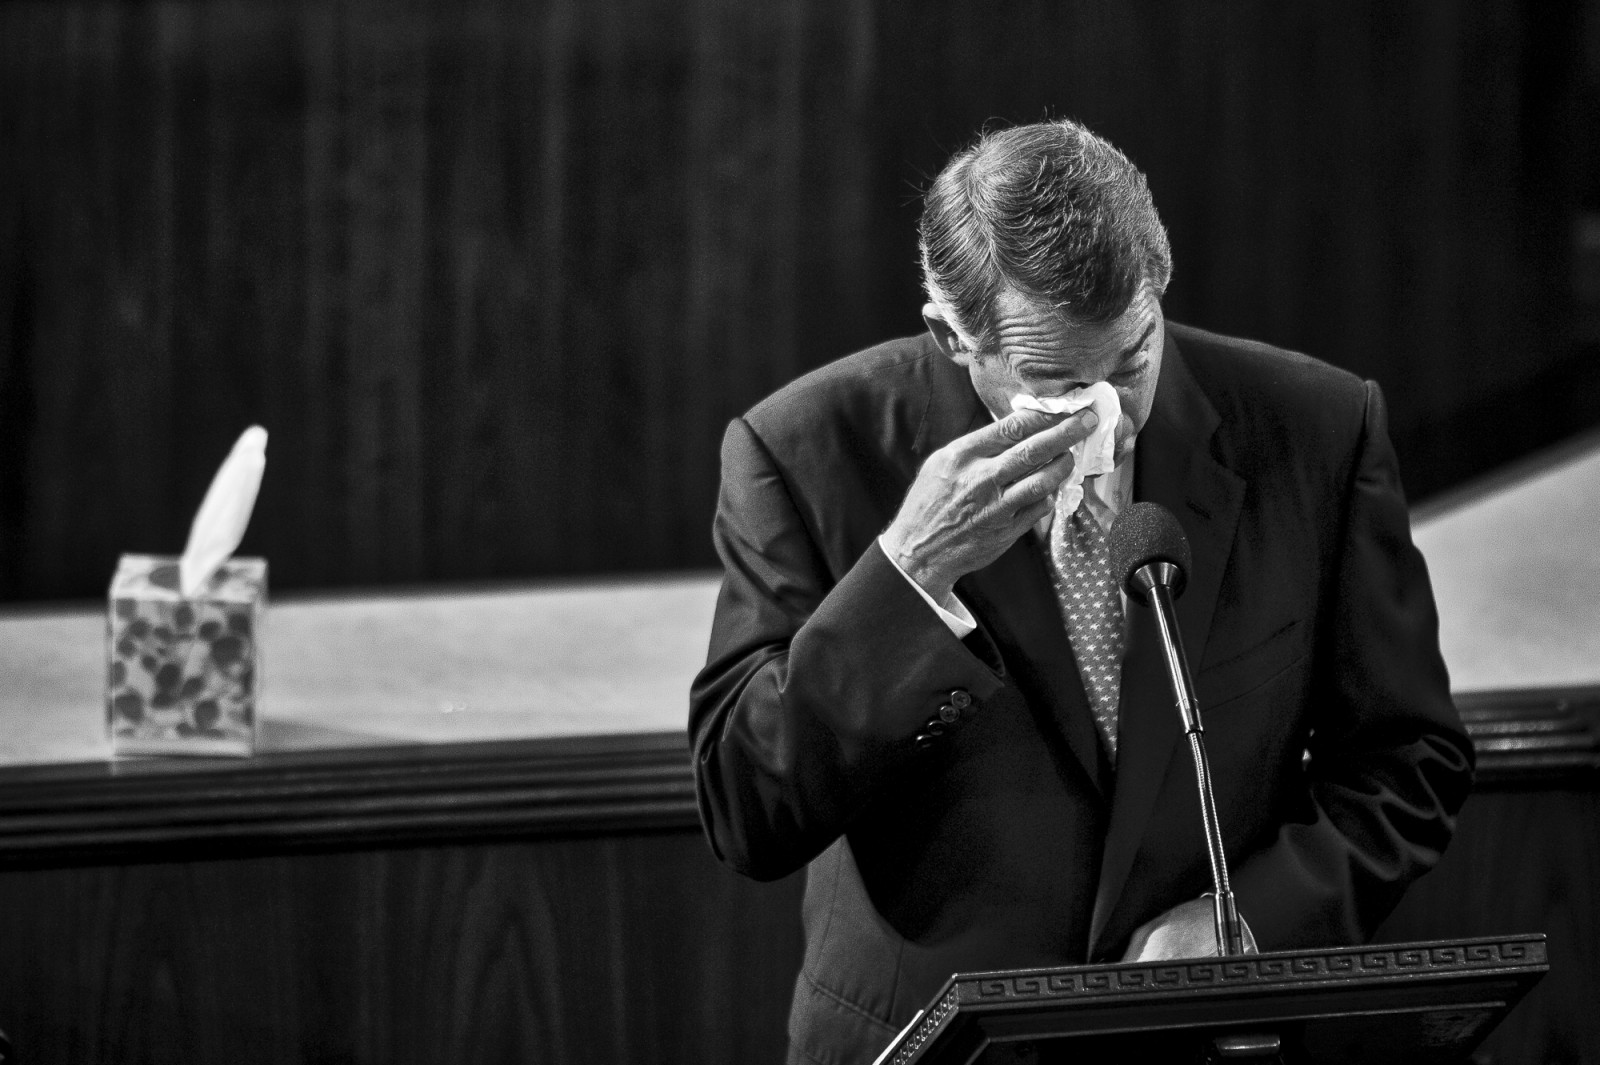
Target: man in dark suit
pixel 903 689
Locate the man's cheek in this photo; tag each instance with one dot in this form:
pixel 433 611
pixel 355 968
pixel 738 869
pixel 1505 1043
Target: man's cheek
pixel 1131 412
pixel 1135 409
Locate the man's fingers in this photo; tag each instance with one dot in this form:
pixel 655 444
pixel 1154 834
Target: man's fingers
pixel 1044 446
pixel 1031 514
pixel 1040 484
pixel 1002 435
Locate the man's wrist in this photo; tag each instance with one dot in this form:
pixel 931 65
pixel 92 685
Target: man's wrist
pixel 951 610
pixel 934 585
pixel 935 589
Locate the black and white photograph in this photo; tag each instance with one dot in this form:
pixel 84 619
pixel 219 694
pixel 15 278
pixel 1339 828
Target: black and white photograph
pixel 811 532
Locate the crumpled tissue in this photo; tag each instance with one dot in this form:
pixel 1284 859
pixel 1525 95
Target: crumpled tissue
pixel 1094 454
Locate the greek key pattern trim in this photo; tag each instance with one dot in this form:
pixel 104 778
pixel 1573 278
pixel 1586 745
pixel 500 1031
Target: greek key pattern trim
pixel 929 1025
pixel 1256 969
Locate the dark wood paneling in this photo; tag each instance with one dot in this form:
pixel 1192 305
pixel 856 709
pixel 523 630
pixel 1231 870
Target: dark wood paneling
pixel 619 949
pixel 1524 859
pixel 495 273
pixel 553 900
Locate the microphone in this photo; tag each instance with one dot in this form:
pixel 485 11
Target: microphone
pixel 1147 548
pixel 1151 556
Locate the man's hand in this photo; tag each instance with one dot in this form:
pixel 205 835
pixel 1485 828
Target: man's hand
pixel 977 494
pixel 1188 930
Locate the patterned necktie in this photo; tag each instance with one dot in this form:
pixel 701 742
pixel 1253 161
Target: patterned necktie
pixel 1091 606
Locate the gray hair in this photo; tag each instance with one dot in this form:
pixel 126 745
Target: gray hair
pixel 1049 211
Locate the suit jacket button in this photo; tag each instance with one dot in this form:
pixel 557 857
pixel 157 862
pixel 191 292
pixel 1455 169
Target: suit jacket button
pixel 924 741
pixel 949 714
pixel 960 699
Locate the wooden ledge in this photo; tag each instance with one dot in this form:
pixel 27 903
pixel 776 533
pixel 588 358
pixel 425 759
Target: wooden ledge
pixel 1541 738
pixel 174 809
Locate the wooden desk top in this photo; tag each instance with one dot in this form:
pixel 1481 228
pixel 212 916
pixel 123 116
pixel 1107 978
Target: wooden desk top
pixel 431 715
pixel 603 657
pixel 1512 558
pixel 1515 563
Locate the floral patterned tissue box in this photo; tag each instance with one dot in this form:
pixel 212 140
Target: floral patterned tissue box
pixel 183 674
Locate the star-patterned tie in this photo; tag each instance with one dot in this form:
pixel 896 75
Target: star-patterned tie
pixel 1091 607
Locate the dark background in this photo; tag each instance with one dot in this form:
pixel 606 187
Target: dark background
pixel 495 274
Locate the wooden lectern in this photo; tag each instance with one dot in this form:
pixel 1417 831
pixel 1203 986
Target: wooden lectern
pixel 1416 1003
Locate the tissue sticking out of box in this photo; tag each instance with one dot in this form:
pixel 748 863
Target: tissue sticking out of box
pixel 221 520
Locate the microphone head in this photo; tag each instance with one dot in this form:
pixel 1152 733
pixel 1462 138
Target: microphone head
pixel 1144 533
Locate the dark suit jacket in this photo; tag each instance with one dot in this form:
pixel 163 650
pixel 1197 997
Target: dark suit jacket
pixel 1007 841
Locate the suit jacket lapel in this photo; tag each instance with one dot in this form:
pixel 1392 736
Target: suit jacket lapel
pixel 1173 466
pixel 1012 597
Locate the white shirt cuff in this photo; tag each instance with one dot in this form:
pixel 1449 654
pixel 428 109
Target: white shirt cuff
pixel 953 612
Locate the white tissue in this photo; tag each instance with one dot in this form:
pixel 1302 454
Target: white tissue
pixel 1094 454
pixel 220 522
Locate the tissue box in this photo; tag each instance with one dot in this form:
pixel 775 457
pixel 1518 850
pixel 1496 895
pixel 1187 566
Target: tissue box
pixel 183 674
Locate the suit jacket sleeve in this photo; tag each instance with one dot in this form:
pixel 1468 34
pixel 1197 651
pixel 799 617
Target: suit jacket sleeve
pixel 1389 765
pixel 818 682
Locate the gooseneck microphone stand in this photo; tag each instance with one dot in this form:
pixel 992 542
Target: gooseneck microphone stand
pixel 1157 581
pixel 1151 554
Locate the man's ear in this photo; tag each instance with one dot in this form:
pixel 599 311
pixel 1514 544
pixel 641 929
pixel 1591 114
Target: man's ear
pixel 945 335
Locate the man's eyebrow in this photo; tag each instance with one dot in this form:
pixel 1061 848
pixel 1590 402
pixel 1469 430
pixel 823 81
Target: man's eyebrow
pixel 1137 344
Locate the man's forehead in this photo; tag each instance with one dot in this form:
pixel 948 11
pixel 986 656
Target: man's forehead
pixel 1029 332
